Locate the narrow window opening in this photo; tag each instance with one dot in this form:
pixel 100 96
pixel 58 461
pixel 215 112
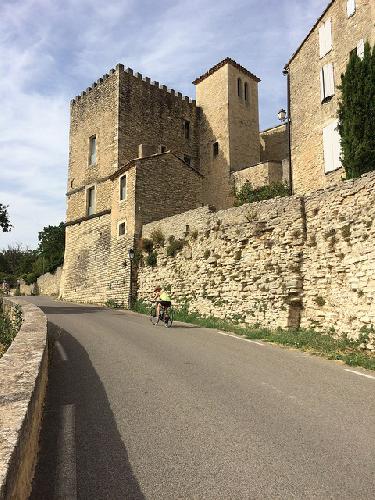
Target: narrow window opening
pixel 239 87
pixel 216 148
pixel 92 150
pixel 91 200
pixel 123 188
pixel 246 91
pixel 186 129
pixel 122 228
pixel 163 149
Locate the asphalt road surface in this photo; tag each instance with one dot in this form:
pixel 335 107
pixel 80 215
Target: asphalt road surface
pixel 135 411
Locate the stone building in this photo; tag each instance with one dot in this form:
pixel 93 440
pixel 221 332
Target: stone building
pixel 314 76
pixel 140 152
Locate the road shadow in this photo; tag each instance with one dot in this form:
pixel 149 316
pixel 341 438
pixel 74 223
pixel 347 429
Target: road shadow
pixel 102 462
pixel 70 309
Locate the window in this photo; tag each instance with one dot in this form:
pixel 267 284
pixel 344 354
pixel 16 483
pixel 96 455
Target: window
pixel 186 129
pixel 246 91
pixel 325 38
pixel 216 148
pixel 122 228
pixel 187 159
pixel 239 87
pixel 123 187
pixel 92 150
pixel 331 147
pixel 350 7
pixel 162 149
pixel 361 49
pixel 90 200
pixel 327 82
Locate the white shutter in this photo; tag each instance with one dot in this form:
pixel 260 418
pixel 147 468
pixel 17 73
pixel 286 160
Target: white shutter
pixel 336 143
pixel 361 49
pixel 328 26
pixel 329 80
pixel 322 89
pixel 350 7
pixel 331 147
pixel 322 51
pixel 328 149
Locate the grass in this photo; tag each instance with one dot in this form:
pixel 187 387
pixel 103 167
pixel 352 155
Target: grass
pixel 325 345
pixel 9 329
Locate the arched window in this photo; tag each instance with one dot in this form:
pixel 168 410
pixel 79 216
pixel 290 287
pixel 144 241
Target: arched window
pixel 239 87
pixel 246 91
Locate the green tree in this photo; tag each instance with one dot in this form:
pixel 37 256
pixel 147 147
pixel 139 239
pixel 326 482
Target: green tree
pixel 4 219
pixel 357 114
pixel 51 248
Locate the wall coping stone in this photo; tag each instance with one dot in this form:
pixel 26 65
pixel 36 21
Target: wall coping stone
pixel 23 381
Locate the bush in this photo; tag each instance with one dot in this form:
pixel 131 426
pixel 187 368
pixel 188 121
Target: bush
pixel 247 194
pixel 147 245
pixel 152 259
pixel 174 247
pixel 113 304
pixel 357 114
pixel 158 237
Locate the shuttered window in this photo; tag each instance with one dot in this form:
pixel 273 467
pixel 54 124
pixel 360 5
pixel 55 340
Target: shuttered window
pixel 90 200
pixel 123 188
pixel 92 150
pixel 361 49
pixel 327 82
pixel 325 38
pixel 332 147
pixel 350 7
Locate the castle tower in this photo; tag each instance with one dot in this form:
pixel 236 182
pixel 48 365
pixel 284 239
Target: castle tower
pixel 229 130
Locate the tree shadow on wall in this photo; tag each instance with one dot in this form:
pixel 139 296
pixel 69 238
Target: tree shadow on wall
pixel 102 464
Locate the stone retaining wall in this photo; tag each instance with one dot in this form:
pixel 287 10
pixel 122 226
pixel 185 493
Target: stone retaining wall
pixel 282 262
pixel 23 382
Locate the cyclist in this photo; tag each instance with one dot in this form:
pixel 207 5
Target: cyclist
pixel 162 299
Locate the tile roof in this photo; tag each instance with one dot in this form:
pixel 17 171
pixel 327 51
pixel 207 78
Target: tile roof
pixel 222 63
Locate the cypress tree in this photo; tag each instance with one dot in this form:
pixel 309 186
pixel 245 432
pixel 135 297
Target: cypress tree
pixel 357 114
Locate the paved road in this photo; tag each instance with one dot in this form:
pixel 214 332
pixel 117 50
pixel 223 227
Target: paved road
pixel 136 411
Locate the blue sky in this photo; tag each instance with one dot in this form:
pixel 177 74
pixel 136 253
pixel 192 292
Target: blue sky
pixel 50 50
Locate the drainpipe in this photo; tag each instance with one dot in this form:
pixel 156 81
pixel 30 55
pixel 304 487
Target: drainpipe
pixel 289 118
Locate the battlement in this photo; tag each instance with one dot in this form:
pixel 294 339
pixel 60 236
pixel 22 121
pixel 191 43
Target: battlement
pixel 120 68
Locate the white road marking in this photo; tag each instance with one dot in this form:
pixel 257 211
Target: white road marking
pixel 66 477
pixel 61 350
pixel 240 338
pixel 359 373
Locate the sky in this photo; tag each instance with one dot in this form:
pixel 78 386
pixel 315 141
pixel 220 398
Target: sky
pixel 51 50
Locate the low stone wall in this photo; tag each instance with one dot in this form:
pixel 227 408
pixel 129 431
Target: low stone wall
pixel 242 263
pixel 306 261
pixel 23 382
pixel 262 174
pixel 49 283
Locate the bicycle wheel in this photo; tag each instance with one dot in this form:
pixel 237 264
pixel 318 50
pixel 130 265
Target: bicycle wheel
pixel 154 320
pixel 169 319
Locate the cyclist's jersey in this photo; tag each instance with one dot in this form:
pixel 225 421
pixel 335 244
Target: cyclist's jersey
pixel 164 297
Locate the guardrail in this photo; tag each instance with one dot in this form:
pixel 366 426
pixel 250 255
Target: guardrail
pixel 23 382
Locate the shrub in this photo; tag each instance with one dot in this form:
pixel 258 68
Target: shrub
pixel 247 194
pixel 357 114
pixel 152 259
pixel 174 247
pixel 147 245
pixel 320 301
pixel 113 304
pixel 157 237
pixel 206 254
pixel 194 234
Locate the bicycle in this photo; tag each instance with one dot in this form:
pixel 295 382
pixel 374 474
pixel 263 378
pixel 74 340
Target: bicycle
pixel 165 316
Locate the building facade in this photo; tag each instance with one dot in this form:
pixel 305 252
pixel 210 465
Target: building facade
pixel 140 152
pixel 315 72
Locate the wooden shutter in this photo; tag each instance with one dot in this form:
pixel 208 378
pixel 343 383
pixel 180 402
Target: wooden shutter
pixel 336 145
pixel 361 49
pixel 322 41
pixel 331 147
pixel 350 7
pixel 329 80
pixel 328 35
pixel 322 86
